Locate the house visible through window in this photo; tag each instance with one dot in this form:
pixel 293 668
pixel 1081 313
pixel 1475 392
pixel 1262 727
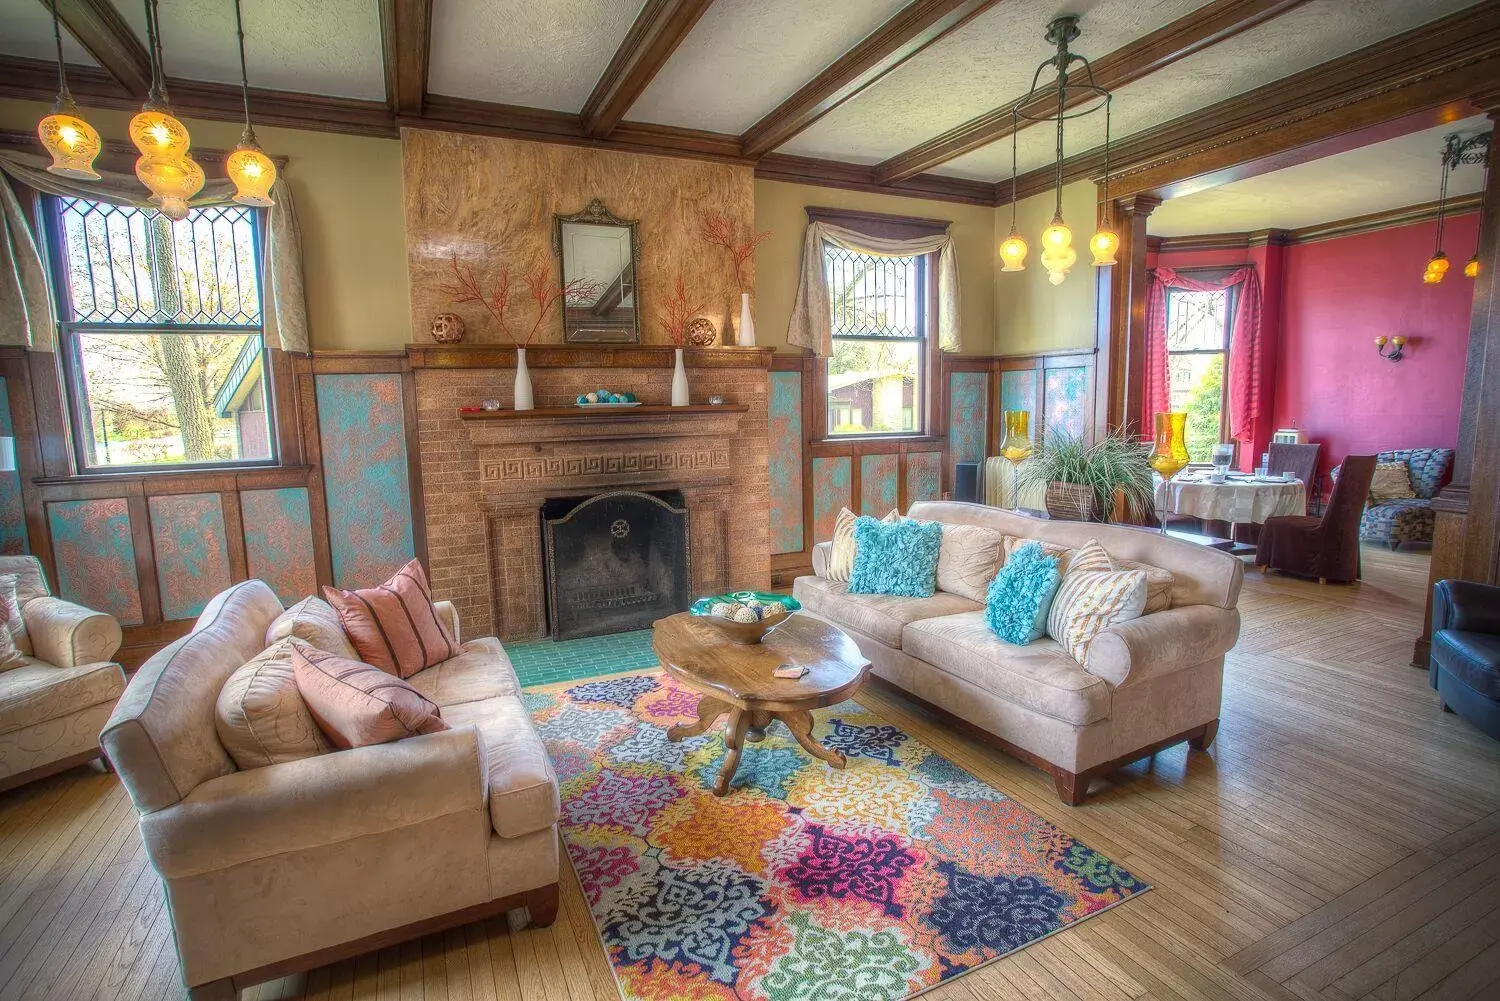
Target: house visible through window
pixel 1198 332
pixel 161 334
pixel 877 371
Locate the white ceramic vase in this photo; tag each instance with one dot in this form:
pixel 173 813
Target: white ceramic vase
pixel 524 399
pixel 679 383
pixel 746 335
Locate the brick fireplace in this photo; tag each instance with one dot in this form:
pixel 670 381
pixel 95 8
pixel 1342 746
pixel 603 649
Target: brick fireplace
pixel 486 477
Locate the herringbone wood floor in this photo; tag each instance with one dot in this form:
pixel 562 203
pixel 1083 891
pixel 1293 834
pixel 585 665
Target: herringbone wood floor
pixel 1341 841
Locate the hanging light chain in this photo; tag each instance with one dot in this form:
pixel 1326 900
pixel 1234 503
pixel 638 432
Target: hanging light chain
pixel 63 96
pixel 239 28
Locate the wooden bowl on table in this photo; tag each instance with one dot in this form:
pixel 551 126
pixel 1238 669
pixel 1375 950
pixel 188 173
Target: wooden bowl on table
pixel 777 610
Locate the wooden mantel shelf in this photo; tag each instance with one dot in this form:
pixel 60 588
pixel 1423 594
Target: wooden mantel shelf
pixel 647 410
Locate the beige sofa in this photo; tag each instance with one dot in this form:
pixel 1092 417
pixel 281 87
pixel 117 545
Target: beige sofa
pixel 52 706
pixel 288 867
pixel 1150 683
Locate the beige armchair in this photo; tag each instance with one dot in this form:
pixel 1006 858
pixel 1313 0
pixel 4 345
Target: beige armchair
pixel 53 706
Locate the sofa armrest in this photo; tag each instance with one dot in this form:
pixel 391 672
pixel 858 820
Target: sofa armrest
pixel 1162 642
pixel 449 614
pixel 1465 605
pixel 822 553
pixel 322 800
pixel 68 635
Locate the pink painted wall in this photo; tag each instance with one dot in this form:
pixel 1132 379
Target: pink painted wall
pixel 1337 296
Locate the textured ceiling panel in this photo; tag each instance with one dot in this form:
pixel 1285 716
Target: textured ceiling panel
pixel 981 66
pixel 27 32
pixel 318 46
pixel 1387 175
pixel 743 59
pixel 535 53
pixel 1302 38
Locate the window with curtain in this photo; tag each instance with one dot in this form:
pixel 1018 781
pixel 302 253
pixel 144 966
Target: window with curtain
pixel 1198 333
pixel 161 335
pixel 877 371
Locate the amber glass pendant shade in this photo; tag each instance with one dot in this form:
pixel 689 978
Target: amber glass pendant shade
pixel 72 142
pixel 1104 245
pixel 1471 267
pixel 1013 252
pixel 172 183
pixel 253 173
pixel 1058 255
pixel 1169 454
pixel 157 133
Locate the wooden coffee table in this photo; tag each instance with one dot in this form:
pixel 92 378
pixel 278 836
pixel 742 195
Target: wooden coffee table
pixel 735 678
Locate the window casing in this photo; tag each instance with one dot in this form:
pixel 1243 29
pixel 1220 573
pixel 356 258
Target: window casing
pixel 877 376
pixel 161 336
pixel 1199 328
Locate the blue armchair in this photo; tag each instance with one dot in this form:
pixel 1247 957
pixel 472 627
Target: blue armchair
pixel 1465 659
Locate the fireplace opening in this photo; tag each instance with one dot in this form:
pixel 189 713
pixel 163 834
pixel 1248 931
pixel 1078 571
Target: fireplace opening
pixel 614 562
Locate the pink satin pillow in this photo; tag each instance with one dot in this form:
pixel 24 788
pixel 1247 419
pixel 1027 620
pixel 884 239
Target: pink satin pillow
pixel 394 625
pixel 358 704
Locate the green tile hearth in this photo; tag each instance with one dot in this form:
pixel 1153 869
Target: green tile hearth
pixel 544 662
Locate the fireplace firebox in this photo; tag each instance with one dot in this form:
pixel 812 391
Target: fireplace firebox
pixel 614 561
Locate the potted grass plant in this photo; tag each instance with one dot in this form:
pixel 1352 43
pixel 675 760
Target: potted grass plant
pixel 1108 480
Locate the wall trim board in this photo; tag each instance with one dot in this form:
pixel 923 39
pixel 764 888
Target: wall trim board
pixel 854 177
pixel 878 224
pixel 1353 226
pixel 578 356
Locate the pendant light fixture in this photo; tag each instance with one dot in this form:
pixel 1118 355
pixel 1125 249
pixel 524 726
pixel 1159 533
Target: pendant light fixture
pixel 1058 255
pixel 165 165
pixel 1471 267
pixel 1458 150
pixel 72 141
pixel 249 168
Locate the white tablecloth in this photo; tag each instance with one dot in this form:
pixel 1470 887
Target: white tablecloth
pixel 1235 501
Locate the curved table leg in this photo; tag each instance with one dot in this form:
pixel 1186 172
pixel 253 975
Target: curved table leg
pixel 800 723
pixel 734 737
pixel 709 711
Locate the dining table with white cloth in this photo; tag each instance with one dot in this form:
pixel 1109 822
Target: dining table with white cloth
pixel 1240 499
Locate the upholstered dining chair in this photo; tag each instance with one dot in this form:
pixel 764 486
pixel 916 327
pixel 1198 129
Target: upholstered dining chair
pixel 1325 547
pixel 1302 461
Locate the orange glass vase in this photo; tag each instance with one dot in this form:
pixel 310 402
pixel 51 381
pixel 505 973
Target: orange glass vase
pixel 1015 447
pixel 1169 455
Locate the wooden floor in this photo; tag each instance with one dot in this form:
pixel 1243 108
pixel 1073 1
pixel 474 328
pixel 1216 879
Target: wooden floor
pixel 1341 841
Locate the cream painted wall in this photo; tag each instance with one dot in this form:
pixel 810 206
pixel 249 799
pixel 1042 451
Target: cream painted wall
pixel 348 192
pixel 1034 315
pixel 779 207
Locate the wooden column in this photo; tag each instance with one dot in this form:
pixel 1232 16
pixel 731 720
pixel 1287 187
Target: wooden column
pixel 1466 544
pixel 1124 364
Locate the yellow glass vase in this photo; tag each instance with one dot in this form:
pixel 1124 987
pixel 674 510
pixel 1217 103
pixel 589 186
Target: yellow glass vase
pixel 1169 455
pixel 1015 447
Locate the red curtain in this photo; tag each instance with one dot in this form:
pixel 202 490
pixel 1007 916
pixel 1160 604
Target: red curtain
pixel 1245 362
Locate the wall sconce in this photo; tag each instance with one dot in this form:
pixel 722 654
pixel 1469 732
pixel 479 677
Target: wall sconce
pixel 1398 345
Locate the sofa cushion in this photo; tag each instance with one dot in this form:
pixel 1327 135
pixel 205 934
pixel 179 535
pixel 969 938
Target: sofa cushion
pixel 897 558
pixel 522 786
pixel 841 556
pixel 482 670
pixel 13 639
pixel 968 560
pixel 1093 596
pixel 878 616
pixel 261 717
pixel 36 692
pixel 394 625
pixel 1158 584
pixel 1392 481
pixel 1021 594
pixel 1473 658
pixel 315 622
pixel 358 704
pixel 1038 676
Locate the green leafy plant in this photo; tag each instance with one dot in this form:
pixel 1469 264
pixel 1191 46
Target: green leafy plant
pixel 1115 465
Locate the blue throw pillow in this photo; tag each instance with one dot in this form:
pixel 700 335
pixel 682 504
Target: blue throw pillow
pixel 1021 595
pixel 898 558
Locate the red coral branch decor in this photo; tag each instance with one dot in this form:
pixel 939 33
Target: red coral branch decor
pixel 718 231
pixel 677 315
pixel 465 288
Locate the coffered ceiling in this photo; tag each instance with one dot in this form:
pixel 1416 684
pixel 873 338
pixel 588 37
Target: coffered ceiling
pixel 912 95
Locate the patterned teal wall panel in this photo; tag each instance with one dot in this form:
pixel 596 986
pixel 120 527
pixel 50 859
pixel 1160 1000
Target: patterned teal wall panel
pixel 278 541
pixel 786 462
pixel 363 430
pixel 967 414
pixel 879 483
pixel 924 476
pixel 12 514
pixel 831 491
pixel 96 557
pixel 192 554
pixel 1065 396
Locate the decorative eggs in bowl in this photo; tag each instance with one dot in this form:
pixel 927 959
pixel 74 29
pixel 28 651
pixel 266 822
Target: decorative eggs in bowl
pixel 746 616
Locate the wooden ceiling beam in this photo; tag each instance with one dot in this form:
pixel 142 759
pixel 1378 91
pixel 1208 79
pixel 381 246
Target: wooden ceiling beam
pixel 1206 26
pixel 658 30
pixel 406 39
pixel 911 30
pixel 106 36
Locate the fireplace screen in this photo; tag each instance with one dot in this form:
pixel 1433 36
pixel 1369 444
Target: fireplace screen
pixel 615 562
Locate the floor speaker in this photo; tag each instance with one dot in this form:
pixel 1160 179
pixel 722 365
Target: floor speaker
pixel 966 482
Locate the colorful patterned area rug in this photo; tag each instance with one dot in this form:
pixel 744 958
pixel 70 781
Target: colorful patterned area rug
pixel 805 883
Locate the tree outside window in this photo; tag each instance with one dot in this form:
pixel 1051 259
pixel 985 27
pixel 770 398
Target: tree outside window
pixel 876 371
pixel 1198 332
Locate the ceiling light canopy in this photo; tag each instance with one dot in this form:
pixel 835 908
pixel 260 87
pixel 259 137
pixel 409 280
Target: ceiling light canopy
pixel 1073 99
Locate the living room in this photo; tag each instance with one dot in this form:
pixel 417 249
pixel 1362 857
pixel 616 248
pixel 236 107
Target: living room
pixel 757 499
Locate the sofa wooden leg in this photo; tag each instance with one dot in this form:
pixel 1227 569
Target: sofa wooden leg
pixel 1447 708
pixel 542 904
pixel 214 990
pixel 1071 787
pixel 104 762
pixel 1204 739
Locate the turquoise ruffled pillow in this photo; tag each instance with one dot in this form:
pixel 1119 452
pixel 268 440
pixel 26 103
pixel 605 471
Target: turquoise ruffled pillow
pixel 1021 595
pixel 898 558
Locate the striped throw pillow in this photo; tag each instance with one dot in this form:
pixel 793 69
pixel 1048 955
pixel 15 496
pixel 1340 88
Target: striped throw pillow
pixel 841 560
pixel 1092 597
pixel 394 625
